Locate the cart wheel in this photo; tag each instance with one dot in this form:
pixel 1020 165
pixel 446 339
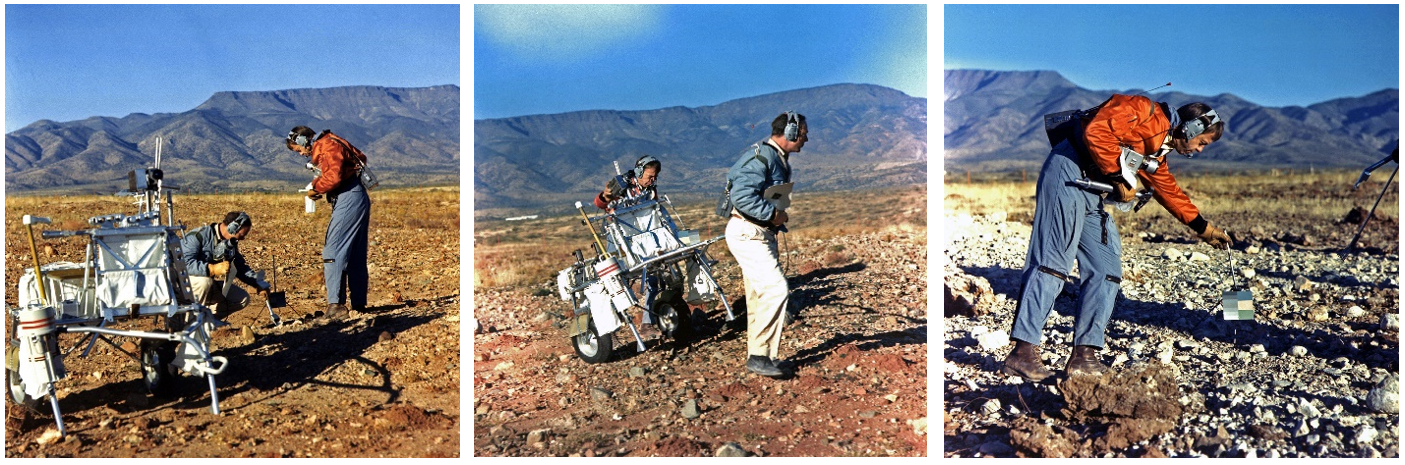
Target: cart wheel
pixel 17 394
pixel 155 367
pixel 593 348
pixel 675 318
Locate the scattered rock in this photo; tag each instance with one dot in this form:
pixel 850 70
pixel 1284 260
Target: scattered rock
pixel 991 406
pixel 1318 313
pixel 1355 312
pixel 538 436
pixel 1385 397
pixel 1172 254
pixel 636 372
pixel 1199 257
pixel 600 394
pixel 386 336
pixel 690 409
pixel 1298 351
pixel 49 436
pixel 1390 322
pixel 919 426
pixel 731 449
pixel 993 340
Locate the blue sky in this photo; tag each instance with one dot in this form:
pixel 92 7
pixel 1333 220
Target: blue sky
pixel 70 62
pixel 534 59
pixel 1273 55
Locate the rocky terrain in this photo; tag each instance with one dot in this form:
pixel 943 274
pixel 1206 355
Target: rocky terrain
pixel 384 383
pixel 859 349
pixel 1315 374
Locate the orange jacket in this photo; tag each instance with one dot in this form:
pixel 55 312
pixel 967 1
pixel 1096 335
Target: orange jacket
pixel 333 155
pixel 1141 124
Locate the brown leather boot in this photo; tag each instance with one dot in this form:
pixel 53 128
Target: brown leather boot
pixel 1085 362
pixel 1024 362
pixel 337 312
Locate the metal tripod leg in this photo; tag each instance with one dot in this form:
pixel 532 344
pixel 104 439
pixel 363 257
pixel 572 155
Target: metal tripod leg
pixel 630 323
pixel 1351 247
pixel 707 271
pixel 58 415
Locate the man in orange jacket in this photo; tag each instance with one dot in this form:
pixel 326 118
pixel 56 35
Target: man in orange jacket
pixel 1070 221
pixel 344 254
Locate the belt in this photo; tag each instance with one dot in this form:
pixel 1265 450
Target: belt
pixel 755 222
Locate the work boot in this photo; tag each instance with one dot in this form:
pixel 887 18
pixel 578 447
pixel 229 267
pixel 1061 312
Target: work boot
pixel 1085 362
pixel 337 312
pixel 1024 362
pixel 764 366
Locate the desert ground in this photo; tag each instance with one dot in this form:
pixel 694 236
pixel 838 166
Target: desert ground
pixel 858 278
pixel 1315 373
pixel 384 383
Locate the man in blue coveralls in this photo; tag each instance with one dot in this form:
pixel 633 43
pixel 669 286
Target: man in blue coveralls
pixel 1070 222
pixel 344 255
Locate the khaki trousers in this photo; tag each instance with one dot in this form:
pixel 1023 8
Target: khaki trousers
pixel 767 292
pixel 207 292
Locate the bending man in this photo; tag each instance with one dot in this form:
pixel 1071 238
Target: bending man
pixel 1071 223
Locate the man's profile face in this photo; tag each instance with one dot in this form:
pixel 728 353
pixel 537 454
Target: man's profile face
pixel 647 179
pixel 304 151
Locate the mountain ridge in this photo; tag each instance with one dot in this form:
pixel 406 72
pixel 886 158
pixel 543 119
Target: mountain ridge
pixel 994 122
pixel 234 140
pixel 535 161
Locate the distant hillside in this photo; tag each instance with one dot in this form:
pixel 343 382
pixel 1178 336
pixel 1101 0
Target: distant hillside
pixel 994 121
pixel 860 136
pixel 234 140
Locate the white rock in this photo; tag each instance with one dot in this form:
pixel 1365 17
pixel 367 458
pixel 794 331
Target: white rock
pixel 1309 411
pixel 993 340
pixel 1247 273
pixel 1390 322
pixel 1366 435
pixel 1355 312
pixel 992 406
pixel 50 435
pixel 1385 397
pixel 1199 257
pixel 1165 356
pixel 1298 351
pixel 1172 254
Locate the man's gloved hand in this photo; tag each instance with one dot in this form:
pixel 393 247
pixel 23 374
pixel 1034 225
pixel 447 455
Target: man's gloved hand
pixel 219 270
pixel 262 292
pixel 313 195
pixel 1215 237
pixel 613 190
pixel 1121 193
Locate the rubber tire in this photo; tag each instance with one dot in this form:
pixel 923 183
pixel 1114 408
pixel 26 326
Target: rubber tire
pixel 17 395
pixel 675 318
pixel 156 374
pixel 599 353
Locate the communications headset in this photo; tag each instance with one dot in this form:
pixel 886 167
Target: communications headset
pixel 1195 127
pixel 643 162
pixel 239 223
pixel 792 126
pixel 298 139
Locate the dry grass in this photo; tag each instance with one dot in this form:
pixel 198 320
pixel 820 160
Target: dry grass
pixel 1312 202
pixel 531 252
pixel 414 235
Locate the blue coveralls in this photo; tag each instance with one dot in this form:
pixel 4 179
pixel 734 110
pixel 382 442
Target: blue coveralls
pixel 1069 223
pixel 344 255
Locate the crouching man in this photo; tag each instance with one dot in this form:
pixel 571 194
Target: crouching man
pixel 211 254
